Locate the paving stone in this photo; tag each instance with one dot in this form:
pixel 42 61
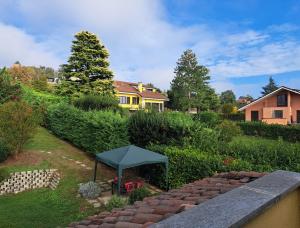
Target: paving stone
pixel 127 225
pixel 141 218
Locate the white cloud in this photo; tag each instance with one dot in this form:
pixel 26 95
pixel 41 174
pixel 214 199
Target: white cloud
pixel 15 45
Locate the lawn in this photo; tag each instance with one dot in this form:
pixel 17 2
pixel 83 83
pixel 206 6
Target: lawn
pixel 45 207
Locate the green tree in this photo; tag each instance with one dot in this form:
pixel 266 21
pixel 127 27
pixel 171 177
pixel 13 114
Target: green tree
pixel 190 87
pixel 87 68
pixel 228 97
pixel 8 89
pixel 270 87
pixel 17 124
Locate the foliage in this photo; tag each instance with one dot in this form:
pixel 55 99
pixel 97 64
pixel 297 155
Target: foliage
pixel 89 190
pixel 100 102
pixel 271 131
pixel 190 87
pixel 87 68
pixel 22 74
pixel 18 122
pixel 274 153
pixel 94 131
pixel 228 97
pixel 228 109
pixel 239 116
pixel 4 152
pixel 188 164
pixel 208 118
pixel 228 130
pixel 115 202
pixel 138 195
pixel 4 174
pixel 8 89
pixel 270 87
pixel 162 128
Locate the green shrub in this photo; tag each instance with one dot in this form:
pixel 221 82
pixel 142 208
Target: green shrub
pixel 240 116
pixel 4 151
pixel 162 128
pixel 138 195
pixel 208 118
pixel 228 130
pixel 4 174
pixel 276 154
pixel 8 89
pixel 18 122
pixel 93 102
pixel 115 202
pixel 188 164
pixel 271 131
pixel 93 131
pixel 202 138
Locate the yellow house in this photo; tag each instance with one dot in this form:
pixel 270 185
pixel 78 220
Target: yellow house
pixel 136 96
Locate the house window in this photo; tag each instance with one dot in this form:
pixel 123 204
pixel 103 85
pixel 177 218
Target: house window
pixel 124 100
pixel 282 100
pixel 135 100
pixel 278 114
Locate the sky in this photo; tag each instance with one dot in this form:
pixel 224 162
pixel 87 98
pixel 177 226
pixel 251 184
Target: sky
pixel 242 42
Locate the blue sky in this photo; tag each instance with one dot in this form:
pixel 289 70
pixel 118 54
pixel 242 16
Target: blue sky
pixel 242 42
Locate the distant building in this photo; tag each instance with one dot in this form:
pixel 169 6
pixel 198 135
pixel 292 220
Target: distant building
pixel 136 96
pixel 282 106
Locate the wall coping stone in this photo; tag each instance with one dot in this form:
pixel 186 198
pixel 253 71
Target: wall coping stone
pixel 237 207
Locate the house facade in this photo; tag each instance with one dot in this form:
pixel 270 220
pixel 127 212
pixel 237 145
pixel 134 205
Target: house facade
pixel 136 96
pixel 282 106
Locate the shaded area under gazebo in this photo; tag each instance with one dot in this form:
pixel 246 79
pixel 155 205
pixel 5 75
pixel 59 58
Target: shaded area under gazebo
pixel 128 157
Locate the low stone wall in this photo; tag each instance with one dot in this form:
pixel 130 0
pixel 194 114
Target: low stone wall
pixel 22 181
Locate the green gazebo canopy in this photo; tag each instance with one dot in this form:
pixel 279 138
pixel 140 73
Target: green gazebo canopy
pixel 128 157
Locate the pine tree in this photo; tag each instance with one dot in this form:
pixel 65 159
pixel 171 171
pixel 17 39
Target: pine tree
pixel 228 97
pixel 190 87
pixel 270 87
pixel 87 68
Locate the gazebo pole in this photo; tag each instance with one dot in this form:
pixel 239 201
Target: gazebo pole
pixel 119 180
pixel 95 170
pixel 167 176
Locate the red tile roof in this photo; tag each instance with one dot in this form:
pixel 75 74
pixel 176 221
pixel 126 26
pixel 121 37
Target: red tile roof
pixel 156 208
pixel 129 87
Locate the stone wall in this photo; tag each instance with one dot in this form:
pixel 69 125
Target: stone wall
pixel 22 181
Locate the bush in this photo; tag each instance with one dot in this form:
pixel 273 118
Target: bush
pixel 138 195
pixel 276 154
pixel 271 131
pixel 208 118
pixel 93 102
pixel 4 174
pixel 18 122
pixel 240 116
pixel 161 128
pixel 4 151
pixel 187 165
pixel 8 89
pixel 115 202
pixel 228 130
pixel 90 190
pixel 93 131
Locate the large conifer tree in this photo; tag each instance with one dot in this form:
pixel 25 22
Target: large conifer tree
pixel 87 70
pixel 270 87
pixel 190 87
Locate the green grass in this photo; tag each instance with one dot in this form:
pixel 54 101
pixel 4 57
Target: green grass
pixel 45 207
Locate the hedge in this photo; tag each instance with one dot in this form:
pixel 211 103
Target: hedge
pixel 187 165
pixel 277 154
pixel 271 131
pixel 93 131
pixel 159 128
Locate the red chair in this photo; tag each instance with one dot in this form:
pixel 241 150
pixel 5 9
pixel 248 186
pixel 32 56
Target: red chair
pixel 129 186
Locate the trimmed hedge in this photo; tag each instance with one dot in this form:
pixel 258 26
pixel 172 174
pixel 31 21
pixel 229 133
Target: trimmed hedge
pixel 276 154
pixel 271 131
pixel 159 128
pixel 187 165
pixel 94 131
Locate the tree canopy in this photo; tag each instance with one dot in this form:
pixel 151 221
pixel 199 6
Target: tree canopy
pixel 87 68
pixel 270 87
pixel 228 97
pixel 190 87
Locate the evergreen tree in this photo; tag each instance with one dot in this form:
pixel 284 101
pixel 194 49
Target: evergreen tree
pixel 270 87
pixel 190 87
pixel 87 68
